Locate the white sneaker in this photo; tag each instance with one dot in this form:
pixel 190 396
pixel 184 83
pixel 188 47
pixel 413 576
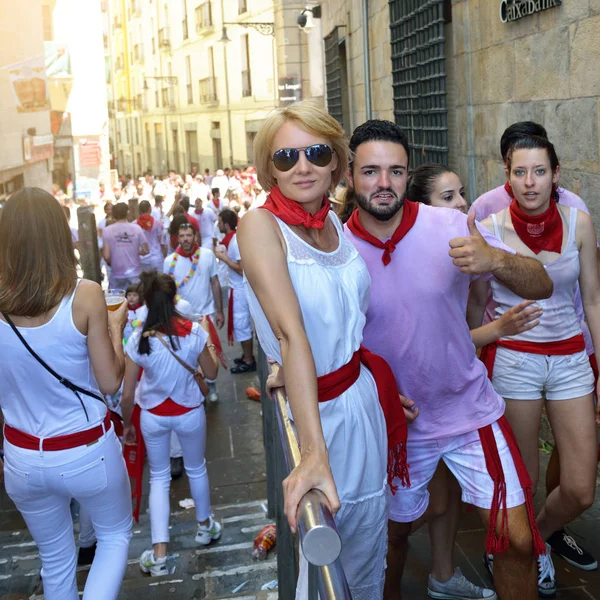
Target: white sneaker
pixel 150 564
pixel 213 396
pixel 206 534
pixel 546 581
pixel 458 587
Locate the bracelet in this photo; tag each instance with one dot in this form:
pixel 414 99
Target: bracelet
pixel 210 345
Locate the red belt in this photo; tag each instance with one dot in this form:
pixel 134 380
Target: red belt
pixel 334 384
pixel 559 348
pixel 230 337
pixel 61 442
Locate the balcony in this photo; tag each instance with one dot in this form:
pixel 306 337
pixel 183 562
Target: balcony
pixel 168 98
pixel 141 103
pixel 116 23
pixel 164 38
pixel 138 53
pixel 208 91
pixel 246 84
pixel 204 20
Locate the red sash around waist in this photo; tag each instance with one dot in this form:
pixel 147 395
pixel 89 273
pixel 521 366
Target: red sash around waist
pixel 61 442
pixel 170 408
pixel 336 383
pixel 230 337
pixel 561 347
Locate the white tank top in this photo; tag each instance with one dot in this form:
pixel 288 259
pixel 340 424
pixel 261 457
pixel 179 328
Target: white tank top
pixel 333 293
pixel 34 401
pixel 559 320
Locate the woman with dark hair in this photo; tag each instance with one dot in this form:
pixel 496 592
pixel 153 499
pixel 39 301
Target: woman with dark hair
pixel 175 354
pixel 59 443
pixel 548 365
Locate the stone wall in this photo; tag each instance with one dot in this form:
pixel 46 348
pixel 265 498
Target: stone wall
pixel 543 67
pixel 349 13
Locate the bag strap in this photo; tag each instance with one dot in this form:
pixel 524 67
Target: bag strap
pixel 182 362
pixel 62 380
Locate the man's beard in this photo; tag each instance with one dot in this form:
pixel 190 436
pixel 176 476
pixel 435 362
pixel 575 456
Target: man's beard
pixel 186 246
pixel 381 213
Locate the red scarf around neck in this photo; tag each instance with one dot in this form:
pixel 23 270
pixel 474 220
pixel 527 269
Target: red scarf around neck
pixel 189 254
pixel 227 239
pixel 198 211
pixel 409 216
pixel 136 306
pixel 292 213
pixel 179 327
pixel 146 222
pixel 537 232
pixel 216 202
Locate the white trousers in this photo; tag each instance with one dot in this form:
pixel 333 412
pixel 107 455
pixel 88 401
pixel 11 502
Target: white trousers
pixel 41 484
pixel 191 431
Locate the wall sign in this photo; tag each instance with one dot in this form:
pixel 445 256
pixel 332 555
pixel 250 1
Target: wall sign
pixel 511 10
pixel 290 89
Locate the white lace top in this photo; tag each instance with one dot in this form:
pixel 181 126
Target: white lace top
pixel 333 292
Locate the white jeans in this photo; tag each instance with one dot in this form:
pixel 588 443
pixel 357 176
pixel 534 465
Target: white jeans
pixel 191 431
pixel 41 484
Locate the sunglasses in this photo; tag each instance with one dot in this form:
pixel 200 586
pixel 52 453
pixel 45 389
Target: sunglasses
pixel 319 155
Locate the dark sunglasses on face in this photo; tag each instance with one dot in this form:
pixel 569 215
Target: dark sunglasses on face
pixel 319 155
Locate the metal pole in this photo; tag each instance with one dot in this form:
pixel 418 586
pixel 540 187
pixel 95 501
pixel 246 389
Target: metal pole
pixel 313 582
pixel 367 61
pixel 226 73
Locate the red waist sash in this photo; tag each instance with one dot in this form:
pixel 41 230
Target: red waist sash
pixel 61 442
pixel 230 337
pixel 170 408
pixel 336 383
pixel 561 347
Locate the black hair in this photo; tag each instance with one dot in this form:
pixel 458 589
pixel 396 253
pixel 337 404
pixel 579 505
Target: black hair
pixel 67 212
pixel 229 217
pixel 215 191
pixel 144 207
pixel 159 291
pixel 158 199
pixel 120 210
pixel 185 203
pixel 135 288
pixel 107 203
pixel 534 142
pixel 518 130
pixel 377 130
pixel 422 180
pixel 178 210
pixel 177 221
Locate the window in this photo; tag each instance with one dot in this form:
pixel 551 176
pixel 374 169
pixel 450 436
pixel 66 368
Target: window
pixel 203 16
pixel 419 78
pixel 47 23
pixel 184 22
pixel 188 79
pixel 336 77
pixel 242 6
pixel 246 77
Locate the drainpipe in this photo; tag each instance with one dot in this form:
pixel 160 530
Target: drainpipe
pixel 365 18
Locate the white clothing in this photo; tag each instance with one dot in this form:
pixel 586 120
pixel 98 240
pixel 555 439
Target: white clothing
pixel 206 220
pixel 222 268
pixel 163 376
pixel 101 225
pixel 242 323
pixel 236 281
pixel 333 292
pixel 134 315
pixel 559 320
pixel 42 484
pixel 221 182
pixel 34 401
pixel 199 190
pixel 191 431
pixel 463 454
pixel 198 290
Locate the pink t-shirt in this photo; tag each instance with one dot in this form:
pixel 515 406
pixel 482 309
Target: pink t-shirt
pixel 125 241
pixel 154 238
pixel 496 200
pixel 416 321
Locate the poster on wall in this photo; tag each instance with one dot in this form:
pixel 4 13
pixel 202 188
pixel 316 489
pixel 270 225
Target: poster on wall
pixel 28 83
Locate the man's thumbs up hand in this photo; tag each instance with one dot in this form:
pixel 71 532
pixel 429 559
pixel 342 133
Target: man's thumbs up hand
pixel 473 255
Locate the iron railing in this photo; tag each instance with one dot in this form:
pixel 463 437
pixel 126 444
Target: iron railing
pixel 319 538
pixel 208 90
pixel 203 16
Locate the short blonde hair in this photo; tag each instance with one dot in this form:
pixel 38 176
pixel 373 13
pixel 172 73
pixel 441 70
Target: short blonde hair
pixel 311 117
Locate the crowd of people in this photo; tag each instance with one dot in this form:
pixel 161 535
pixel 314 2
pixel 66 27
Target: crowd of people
pixel 418 339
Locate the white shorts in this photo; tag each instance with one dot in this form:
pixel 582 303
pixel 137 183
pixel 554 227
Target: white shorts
pixel 242 324
pixel 526 376
pixel 463 455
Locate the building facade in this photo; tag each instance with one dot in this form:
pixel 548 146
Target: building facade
pixel 189 82
pixel 26 142
pixel 456 73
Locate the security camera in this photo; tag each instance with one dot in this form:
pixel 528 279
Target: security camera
pixel 302 20
pixel 305 18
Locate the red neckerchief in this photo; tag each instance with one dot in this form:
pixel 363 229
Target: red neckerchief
pixel 227 239
pixel 145 222
pixel 192 221
pixel 409 216
pixel 216 202
pixel 198 211
pixel 134 308
pixel 538 232
pixel 189 254
pixel 292 213
pixel 179 327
